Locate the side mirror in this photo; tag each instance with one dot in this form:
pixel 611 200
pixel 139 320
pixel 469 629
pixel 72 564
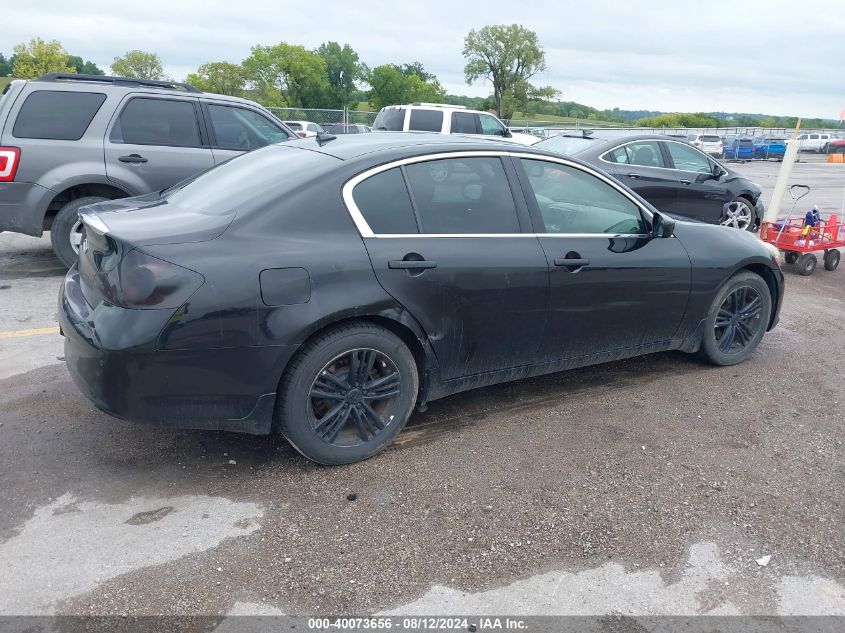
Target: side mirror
pixel 662 226
pixel 718 172
pixel 507 133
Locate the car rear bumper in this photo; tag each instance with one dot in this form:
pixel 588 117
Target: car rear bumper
pixel 23 206
pixel 232 389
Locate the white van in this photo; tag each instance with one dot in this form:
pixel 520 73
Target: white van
pixel 445 119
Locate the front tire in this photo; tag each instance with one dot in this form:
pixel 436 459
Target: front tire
pixel 66 230
pixel 807 264
pixel 737 319
pixel 347 393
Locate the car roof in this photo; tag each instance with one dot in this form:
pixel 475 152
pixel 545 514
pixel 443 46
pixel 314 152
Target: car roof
pixel 347 147
pixel 73 82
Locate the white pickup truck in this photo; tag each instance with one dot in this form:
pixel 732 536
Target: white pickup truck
pixel 812 142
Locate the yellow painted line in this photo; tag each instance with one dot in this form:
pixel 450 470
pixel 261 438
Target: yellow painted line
pixel 38 331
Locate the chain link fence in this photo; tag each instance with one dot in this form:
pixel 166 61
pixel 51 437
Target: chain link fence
pixel 545 129
pixel 324 116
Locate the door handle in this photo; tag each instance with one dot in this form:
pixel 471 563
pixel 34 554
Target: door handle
pixel 634 176
pixel 134 159
pixel 685 181
pixel 411 264
pixel 572 262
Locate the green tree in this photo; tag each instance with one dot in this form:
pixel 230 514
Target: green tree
pixel 390 85
pixel 138 65
pixel 342 70
pixel 507 56
pixel 38 57
pixel 5 66
pixel 286 75
pixel 84 68
pixel 223 78
pixel 680 119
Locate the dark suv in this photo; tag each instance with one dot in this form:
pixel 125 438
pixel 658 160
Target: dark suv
pixel 70 140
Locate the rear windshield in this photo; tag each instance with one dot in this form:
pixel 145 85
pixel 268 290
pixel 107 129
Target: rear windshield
pixel 746 142
pixel 711 138
pixel 57 115
pixel 250 181
pixel 567 145
pixel 390 120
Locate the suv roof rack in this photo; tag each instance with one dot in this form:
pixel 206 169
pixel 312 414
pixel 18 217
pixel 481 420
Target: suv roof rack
pixel 439 105
pixel 120 81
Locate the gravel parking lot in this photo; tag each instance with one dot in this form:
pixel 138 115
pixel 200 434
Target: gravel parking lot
pixel 649 486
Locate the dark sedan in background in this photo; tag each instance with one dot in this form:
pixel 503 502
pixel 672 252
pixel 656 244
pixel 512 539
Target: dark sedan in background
pixel 324 288
pixel 671 174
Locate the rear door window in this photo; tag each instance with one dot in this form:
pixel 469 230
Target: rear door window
pixel 57 115
pixel 384 202
pixel 426 121
pixel 148 121
pixel 464 123
pixel 243 129
pixel 462 195
pixel 643 153
pixel 390 120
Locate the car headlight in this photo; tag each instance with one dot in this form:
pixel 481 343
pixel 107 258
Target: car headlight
pixel 773 251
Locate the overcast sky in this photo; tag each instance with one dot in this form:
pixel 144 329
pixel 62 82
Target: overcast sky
pixel 670 55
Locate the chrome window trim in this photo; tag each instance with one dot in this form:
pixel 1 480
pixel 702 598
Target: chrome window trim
pixel 655 140
pixel 366 232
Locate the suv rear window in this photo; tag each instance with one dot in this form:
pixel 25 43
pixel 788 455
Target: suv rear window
pixel 57 115
pixel 390 120
pixel 147 121
pixel 426 121
pixel 711 138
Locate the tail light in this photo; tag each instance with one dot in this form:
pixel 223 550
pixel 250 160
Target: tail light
pixel 302 134
pixel 144 282
pixel 10 158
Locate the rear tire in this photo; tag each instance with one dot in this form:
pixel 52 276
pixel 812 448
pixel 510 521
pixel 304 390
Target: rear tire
pixel 807 264
pixel 331 405
pixel 831 259
pixel 737 319
pixel 66 226
pixel 790 257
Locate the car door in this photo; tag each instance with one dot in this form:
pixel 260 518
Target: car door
pixel 642 166
pixel 612 285
pixel 234 129
pixel 154 142
pixel 459 255
pixel 701 195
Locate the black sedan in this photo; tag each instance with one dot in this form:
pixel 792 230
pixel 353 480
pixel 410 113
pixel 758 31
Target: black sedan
pixel 324 288
pixel 671 174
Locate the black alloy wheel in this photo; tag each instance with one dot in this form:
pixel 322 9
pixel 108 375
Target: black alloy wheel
pixel 738 319
pixel 352 397
pixel 347 393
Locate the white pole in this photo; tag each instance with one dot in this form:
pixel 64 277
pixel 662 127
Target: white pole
pixel 773 208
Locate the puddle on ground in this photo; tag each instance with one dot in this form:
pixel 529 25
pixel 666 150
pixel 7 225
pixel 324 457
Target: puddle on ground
pixel 69 547
pixel 705 586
